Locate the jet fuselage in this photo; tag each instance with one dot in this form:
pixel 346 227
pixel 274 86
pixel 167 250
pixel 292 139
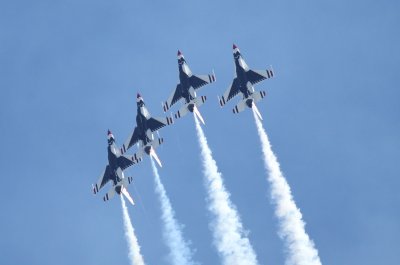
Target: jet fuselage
pixel 113 161
pixel 184 75
pixel 142 116
pixel 241 69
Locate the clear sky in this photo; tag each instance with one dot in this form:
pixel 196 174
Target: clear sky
pixel 70 70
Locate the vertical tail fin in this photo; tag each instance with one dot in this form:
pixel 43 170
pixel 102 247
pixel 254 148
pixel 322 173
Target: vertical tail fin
pixel 197 113
pixel 125 192
pixel 257 111
pixel 154 155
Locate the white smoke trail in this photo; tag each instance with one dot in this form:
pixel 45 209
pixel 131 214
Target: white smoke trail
pixel 179 250
pixel 232 245
pixel 133 245
pixel 301 249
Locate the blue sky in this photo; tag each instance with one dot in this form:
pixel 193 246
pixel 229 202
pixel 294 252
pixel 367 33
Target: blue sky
pixel 70 70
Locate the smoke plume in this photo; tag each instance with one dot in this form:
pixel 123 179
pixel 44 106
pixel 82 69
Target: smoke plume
pixel 229 238
pixel 179 250
pixel 133 245
pixel 301 249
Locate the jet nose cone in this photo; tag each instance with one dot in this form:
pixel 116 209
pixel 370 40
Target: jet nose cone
pixel 139 98
pixel 179 53
pixel 234 46
pixel 110 137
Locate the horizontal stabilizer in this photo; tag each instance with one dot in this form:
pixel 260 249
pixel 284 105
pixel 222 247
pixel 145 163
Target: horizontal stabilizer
pixel 189 107
pixel 109 194
pixel 257 96
pixel 240 106
pixel 182 112
pixel 157 142
pixel 250 102
pixel 127 180
pixel 200 101
pixel 130 180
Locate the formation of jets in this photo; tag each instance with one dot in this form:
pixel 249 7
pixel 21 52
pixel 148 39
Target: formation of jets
pixel 185 91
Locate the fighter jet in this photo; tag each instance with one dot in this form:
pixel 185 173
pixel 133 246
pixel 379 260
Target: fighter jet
pixel 117 163
pixel 243 84
pixel 186 89
pixel 143 132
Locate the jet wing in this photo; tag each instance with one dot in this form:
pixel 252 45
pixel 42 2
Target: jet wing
pixel 231 92
pixel 197 81
pixel 103 179
pixel 154 124
pixel 132 139
pixel 175 97
pixel 255 76
pixel 124 161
